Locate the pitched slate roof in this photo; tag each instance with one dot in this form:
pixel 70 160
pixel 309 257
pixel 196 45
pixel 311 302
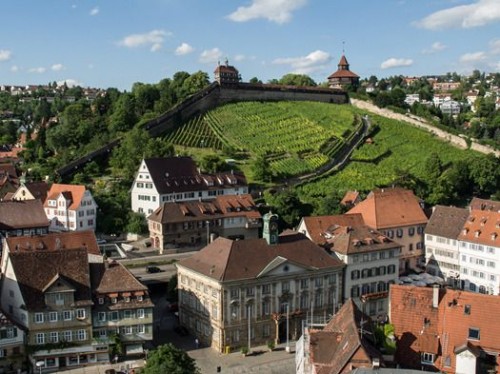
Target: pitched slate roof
pixel 390 207
pixel 39 190
pixel 446 221
pixel 228 260
pixel 358 239
pixel 70 191
pixel 449 323
pixel 22 214
pixel 35 270
pixel 333 347
pixel 483 204
pixel 179 174
pixel 222 206
pixel 111 277
pixel 54 241
pixel 343 70
pixel 318 225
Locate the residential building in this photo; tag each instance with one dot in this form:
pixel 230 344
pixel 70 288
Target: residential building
pixel 479 247
pixel 226 74
pixel 412 98
pixel 122 309
pixel 450 107
pixel 445 330
pixel 347 342
pixel 372 264
pixel 343 76
pixel 398 214
pixel 9 179
pixel 11 345
pixel 194 222
pixel 177 179
pixel 230 288
pixel 53 305
pixel 350 199
pixel 445 86
pixel 315 227
pixel 439 99
pixel 22 218
pixel 441 242
pixel 31 191
pixel 70 208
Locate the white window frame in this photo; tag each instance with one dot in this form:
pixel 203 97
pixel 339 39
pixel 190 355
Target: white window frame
pixel 40 338
pixel 39 318
pixel 140 313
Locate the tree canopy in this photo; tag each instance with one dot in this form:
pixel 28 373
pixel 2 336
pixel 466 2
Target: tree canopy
pixel 169 359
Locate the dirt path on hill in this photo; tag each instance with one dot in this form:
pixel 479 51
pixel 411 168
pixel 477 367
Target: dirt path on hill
pixel 454 140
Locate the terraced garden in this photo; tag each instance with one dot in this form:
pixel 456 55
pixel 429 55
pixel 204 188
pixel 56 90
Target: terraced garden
pixel 295 137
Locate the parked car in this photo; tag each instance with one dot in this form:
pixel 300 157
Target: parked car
pixel 153 269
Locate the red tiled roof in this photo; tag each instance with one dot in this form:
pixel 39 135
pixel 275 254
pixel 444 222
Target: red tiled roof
pixel 413 316
pixel 55 241
pixel 317 225
pixel 113 277
pixel 71 191
pixel 483 204
pixel 349 198
pixel 389 208
pixel 228 260
pixel 482 227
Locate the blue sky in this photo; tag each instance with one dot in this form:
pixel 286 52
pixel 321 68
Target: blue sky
pixel 114 43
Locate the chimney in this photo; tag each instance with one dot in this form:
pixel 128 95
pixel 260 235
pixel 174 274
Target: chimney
pixel 435 296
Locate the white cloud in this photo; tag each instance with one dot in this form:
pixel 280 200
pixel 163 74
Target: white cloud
pixel 279 11
pixel 183 49
pixel 57 67
pixel 38 70
pixel 495 46
pixel 396 63
pixel 239 58
pixel 154 39
pixel 69 82
pixel 5 55
pixel 210 55
pixel 314 61
pixel 480 13
pixel 435 47
pixel 14 68
pixel 94 11
pixel 473 57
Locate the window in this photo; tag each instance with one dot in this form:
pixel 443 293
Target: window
pixel 101 316
pixel 399 233
pixel 127 313
pixel 250 291
pixel 140 313
pixel 467 309
pixel 391 269
pixel 354 291
pixel 318 282
pixel 54 337
pixel 67 315
pixel 427 358
pixel 38 317
pixel 355 274
pixel 474 333
pixel 266 289
pixel 67 336
pixel 114 316
pixel 235 292
pixel 80 313
pixel 141 329
pixel 266 308
pixel 101 300
pixel 285 286
pixel 81 334
pixel 40 338
pixel 411 231
pixel 113 300
pixel 332 279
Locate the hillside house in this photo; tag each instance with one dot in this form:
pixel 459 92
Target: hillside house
pixel 177 179
pixel 70 208
pixel 450 108
pixel 398 214
pixel 31 191
pixel 22 218
pixel 194 222
pixel 226 74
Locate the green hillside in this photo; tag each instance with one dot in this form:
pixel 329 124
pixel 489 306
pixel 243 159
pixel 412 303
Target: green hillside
pixel 295 137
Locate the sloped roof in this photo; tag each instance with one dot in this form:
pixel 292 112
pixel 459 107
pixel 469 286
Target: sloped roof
pixel 71 191
pixel 482 227
pixel 350 197
pixel 113 277
pixel 70 265
pixel 179 174
pixel 39 190
pixel 446 221
pixel 228 260
pixel 225 69
pixel 317 225
pixel 390 207
pixel 450 322
pixel 22 214
pixel 483 204
pixel 222 206
pixel 54 241
pixel 358 239
pixel 333 347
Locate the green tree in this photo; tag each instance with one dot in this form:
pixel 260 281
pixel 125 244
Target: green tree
pixel 195 82
pixel 212 163
pixel 169 359
pixel 288 207
pixel 261 169
pixel 137 223
pixel 485 172
pixel 124 116
pixel 254 80
pixel 297 80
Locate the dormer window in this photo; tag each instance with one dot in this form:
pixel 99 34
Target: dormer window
pixel 465 231
pixel 101 300
pixel 139 298
pixel 477 233
pixel 127 299
pixel 113 300
pixel 80 314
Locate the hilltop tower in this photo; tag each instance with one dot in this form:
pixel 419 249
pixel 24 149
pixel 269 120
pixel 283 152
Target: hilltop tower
pixel 343 76
pixel 226 74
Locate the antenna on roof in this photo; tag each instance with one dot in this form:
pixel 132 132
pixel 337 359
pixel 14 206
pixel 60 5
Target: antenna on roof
pixel 343 47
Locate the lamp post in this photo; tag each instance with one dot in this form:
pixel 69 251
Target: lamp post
pixel 208 231
pixel 39 365
pixel 249 316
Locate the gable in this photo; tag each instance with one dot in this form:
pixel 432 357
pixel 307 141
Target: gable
pixel 280 266
pixel 58 284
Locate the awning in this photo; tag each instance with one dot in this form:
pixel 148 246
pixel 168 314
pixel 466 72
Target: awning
pixel 134 349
